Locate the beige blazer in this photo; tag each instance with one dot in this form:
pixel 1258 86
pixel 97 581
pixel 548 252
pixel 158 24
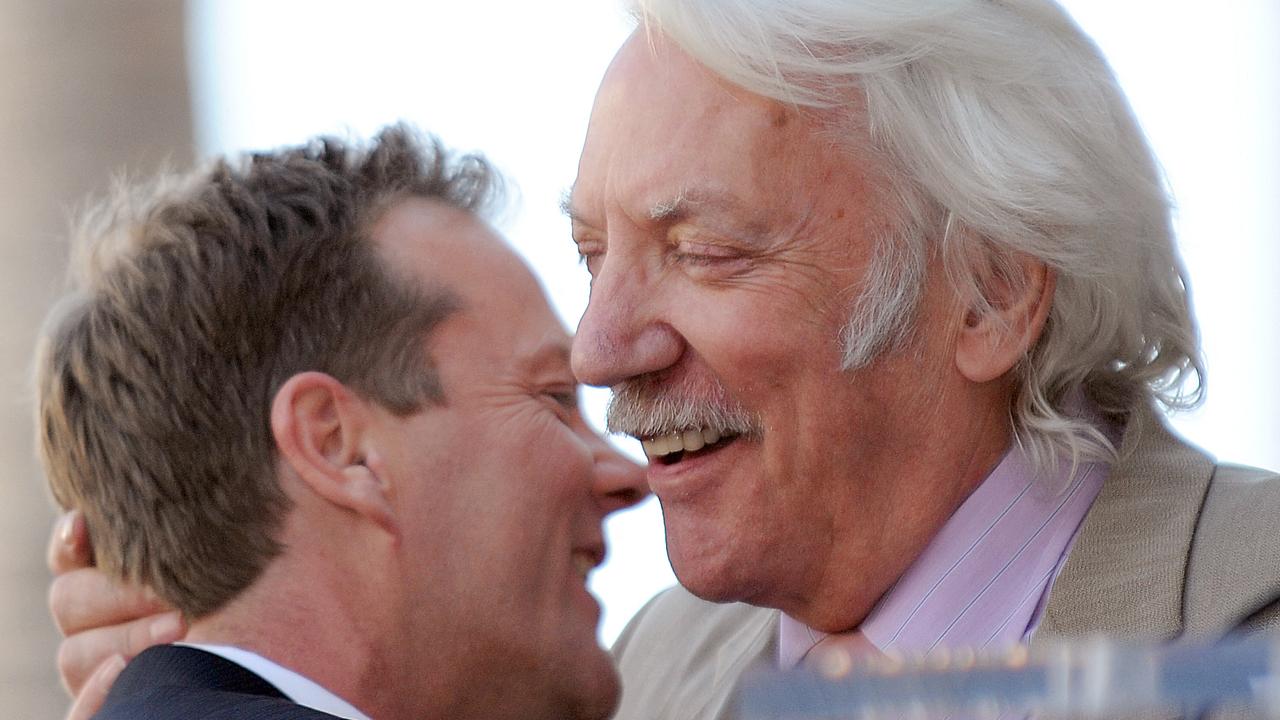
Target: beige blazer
pixel 1174 545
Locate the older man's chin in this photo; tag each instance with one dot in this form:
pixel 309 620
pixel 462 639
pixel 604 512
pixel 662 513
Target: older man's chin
pixel 707 563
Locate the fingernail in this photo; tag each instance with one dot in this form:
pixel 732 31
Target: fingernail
pixel 67 527
pixel 114 666
pixel 167 627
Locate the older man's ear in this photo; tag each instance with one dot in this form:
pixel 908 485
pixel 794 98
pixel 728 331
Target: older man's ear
pixel 322 431
pixel 999 332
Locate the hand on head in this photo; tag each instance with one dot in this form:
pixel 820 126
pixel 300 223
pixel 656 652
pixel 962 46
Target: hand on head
pixel 104 623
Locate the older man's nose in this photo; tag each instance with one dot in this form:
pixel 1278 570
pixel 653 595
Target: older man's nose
pixel 622 334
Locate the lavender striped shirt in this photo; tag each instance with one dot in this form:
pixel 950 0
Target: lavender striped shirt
pixel 983 580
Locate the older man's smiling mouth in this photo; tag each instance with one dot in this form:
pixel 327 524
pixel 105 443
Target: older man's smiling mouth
pixel 674 447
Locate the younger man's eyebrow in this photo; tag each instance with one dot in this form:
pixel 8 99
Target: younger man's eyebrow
pixel 552 354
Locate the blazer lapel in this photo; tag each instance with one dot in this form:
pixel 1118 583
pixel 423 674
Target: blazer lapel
pixel 1126 573
pixel 756 643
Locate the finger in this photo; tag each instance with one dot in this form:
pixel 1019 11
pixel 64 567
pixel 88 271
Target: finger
pixel 80 654
pixel 69 545
pixel 87 598
pixel 94 692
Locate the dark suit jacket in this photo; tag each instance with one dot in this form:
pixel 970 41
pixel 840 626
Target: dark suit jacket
pixel 182 683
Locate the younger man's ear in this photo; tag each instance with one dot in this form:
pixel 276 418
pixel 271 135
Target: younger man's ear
pixel 997 334
pixel 321 429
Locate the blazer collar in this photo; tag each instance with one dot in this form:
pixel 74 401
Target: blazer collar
pixel 190 667
pixel 1125 576
pixel 755 644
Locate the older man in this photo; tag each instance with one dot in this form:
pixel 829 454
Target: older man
pixel 889 293
pixel 316 404
pixel 910 266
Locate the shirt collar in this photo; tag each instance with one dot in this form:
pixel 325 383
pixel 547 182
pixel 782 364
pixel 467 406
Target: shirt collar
pixel 982 579
pixel 297 688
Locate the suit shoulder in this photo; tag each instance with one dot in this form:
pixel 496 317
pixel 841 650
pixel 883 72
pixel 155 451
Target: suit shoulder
pixel 169 682
pixel 675 619
pixel 175 703
pixel 1234 568
pixel 680 655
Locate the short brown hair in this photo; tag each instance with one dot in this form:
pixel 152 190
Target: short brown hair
pixel 197 297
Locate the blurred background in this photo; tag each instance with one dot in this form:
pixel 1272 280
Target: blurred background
pixel 88 89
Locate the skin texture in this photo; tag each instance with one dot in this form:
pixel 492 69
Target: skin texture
pixel 726 238
pixel 453 538
pixel 507 475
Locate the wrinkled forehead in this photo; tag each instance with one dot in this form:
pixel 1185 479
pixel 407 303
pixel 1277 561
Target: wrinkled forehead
pixel 653 83
pixel 660 116
pixel 666 130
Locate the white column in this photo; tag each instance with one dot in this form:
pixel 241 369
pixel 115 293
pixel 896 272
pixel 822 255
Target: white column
pixel 86 89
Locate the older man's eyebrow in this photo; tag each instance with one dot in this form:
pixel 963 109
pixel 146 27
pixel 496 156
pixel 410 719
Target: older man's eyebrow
pixel 566 208
pixel 695 199
pixel 670 209
pixel 719 207
pixel 688 202
pixel 566 202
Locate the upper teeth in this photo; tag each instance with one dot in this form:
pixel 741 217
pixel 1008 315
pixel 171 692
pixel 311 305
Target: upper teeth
pixel 690 440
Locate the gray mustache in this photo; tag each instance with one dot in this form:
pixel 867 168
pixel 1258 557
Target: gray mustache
pixel 646 408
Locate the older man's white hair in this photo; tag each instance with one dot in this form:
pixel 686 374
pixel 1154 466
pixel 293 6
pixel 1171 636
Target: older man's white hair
pixel 1006 135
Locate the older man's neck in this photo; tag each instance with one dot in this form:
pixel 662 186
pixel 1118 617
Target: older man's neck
pixel 836 600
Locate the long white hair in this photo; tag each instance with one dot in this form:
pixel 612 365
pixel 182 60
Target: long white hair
pixel 1006 135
